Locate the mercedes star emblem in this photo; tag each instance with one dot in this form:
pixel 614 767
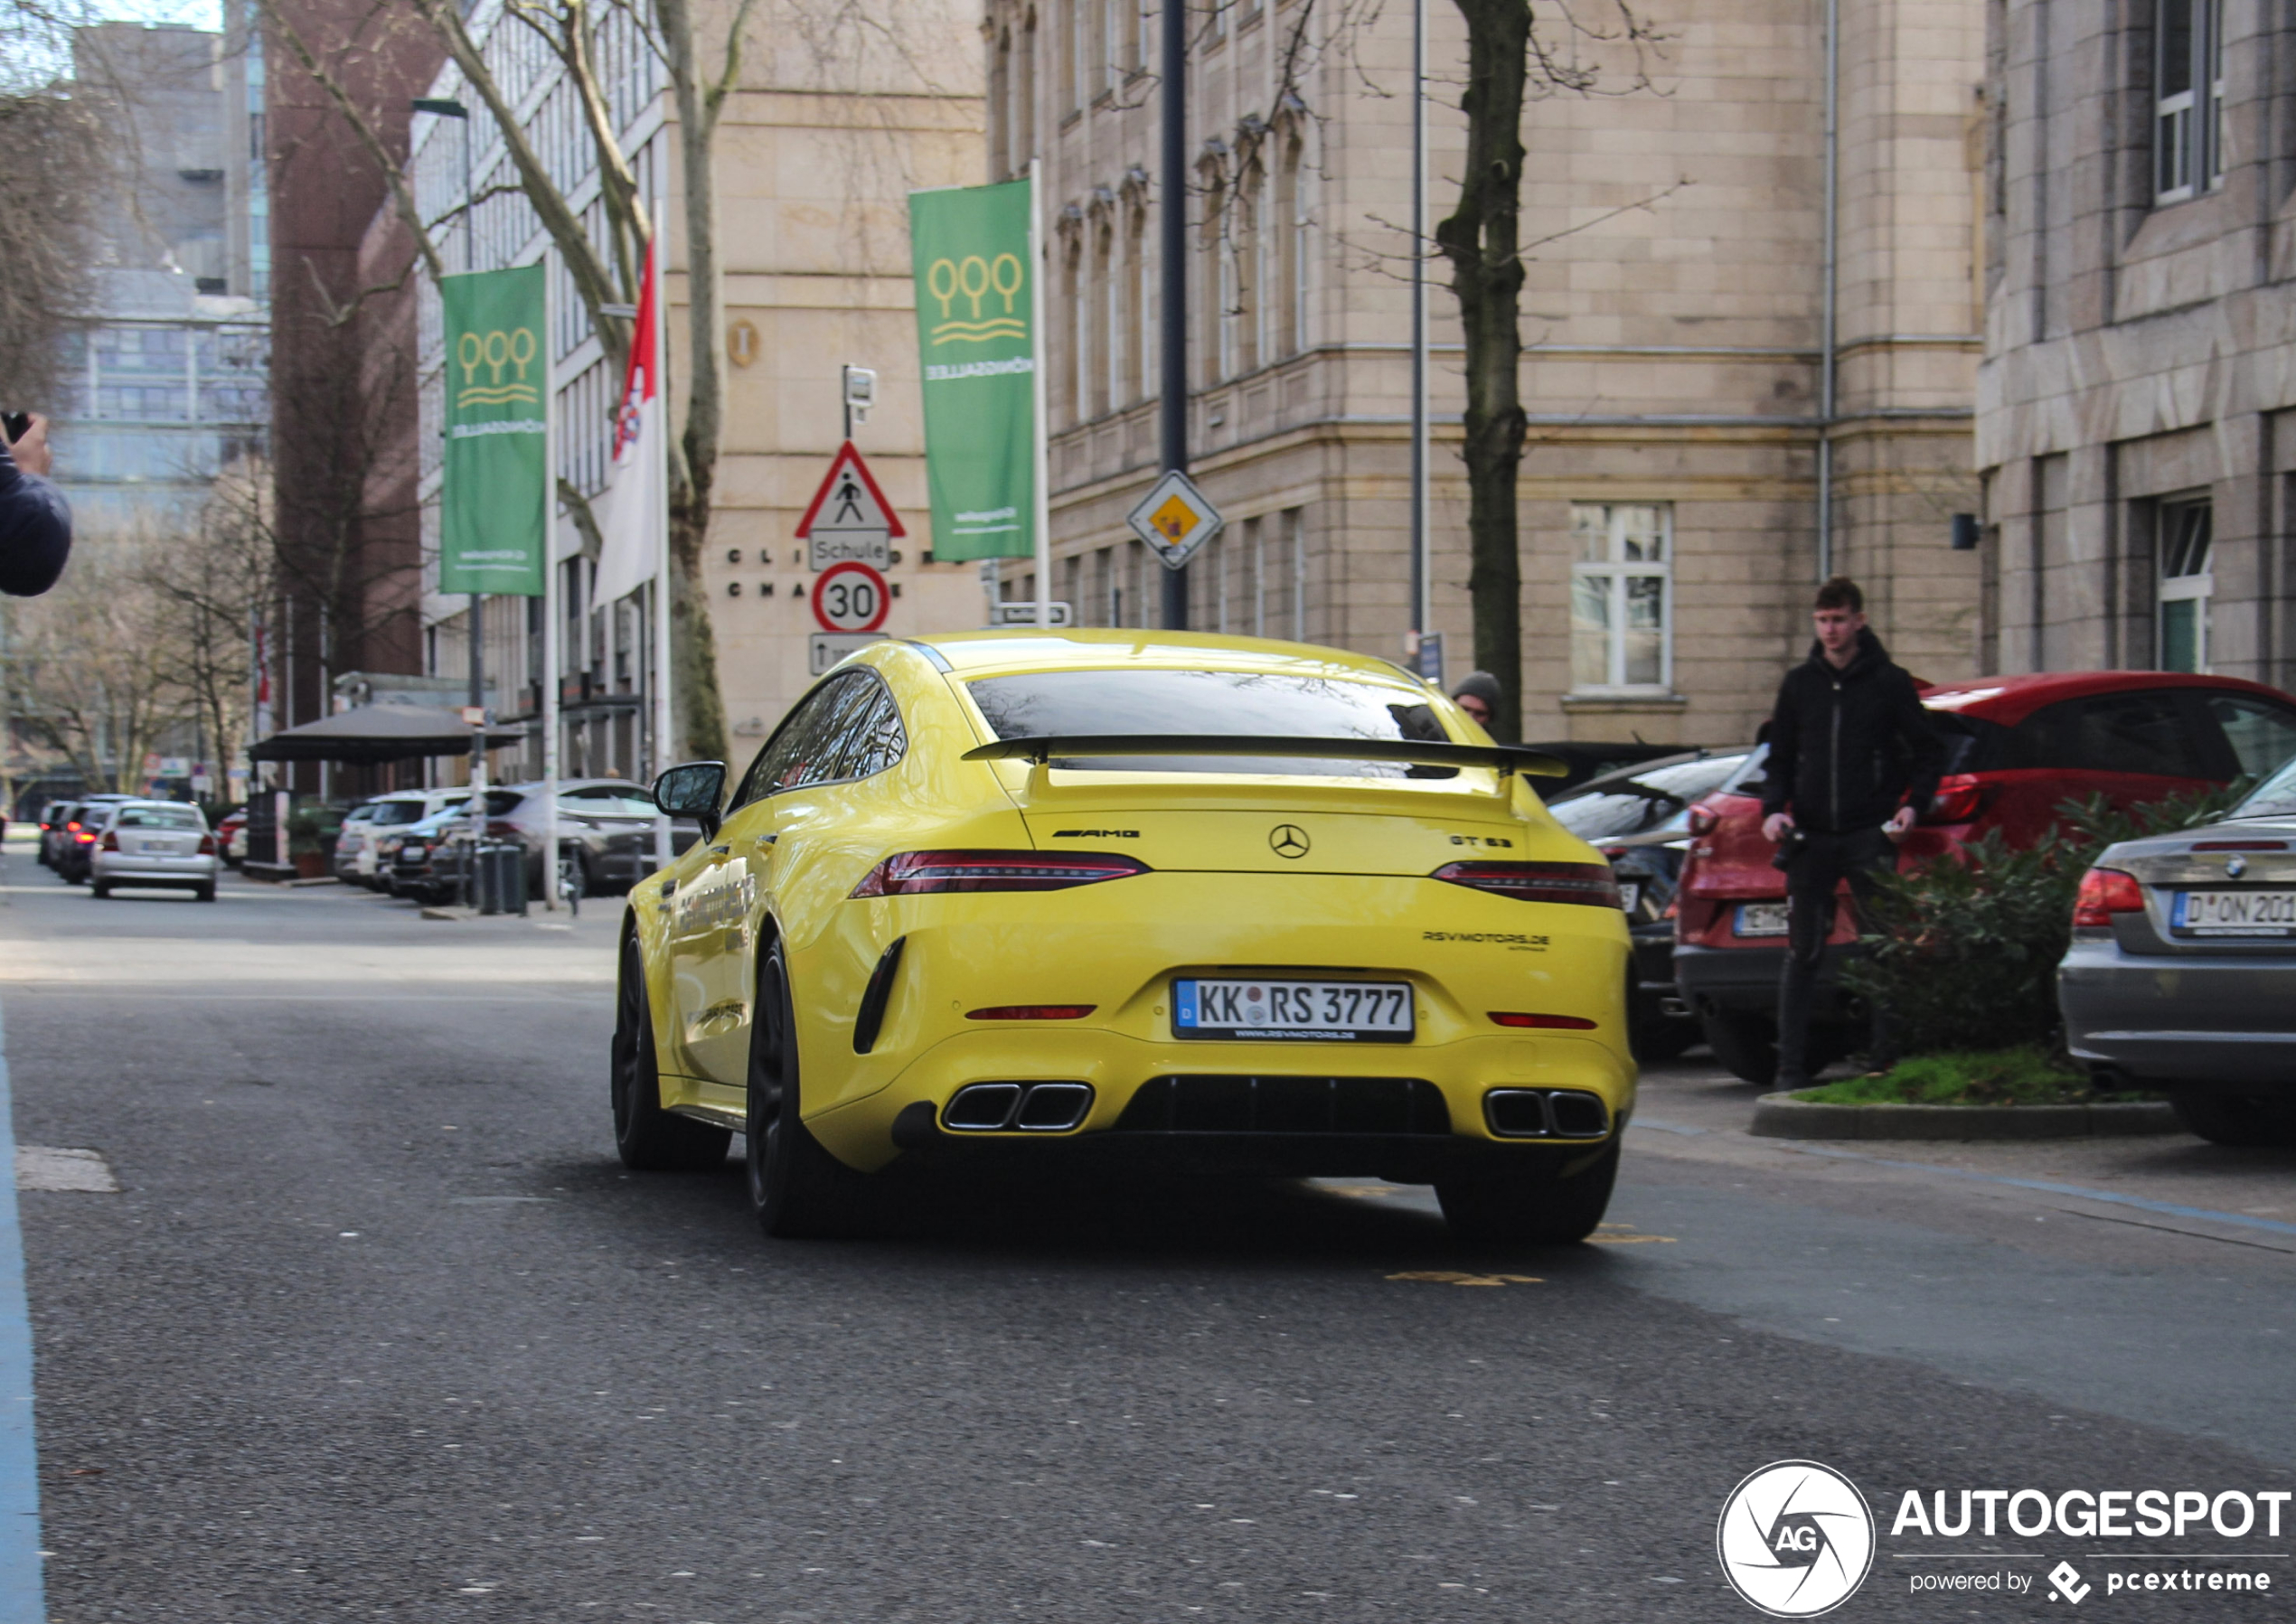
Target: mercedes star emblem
pixel 1288 839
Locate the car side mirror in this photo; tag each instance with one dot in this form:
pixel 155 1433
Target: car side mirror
pixel 692 790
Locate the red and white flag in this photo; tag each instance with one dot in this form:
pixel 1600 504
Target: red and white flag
pixel 634 510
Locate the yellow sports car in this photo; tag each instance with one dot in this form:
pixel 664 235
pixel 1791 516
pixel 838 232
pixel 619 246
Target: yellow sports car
pixel 993 898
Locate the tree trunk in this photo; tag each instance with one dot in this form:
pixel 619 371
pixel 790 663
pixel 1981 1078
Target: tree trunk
pixel 700 719
pixel 1481 240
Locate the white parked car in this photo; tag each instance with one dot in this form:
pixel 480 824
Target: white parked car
pixel 155 843
pixel 364 829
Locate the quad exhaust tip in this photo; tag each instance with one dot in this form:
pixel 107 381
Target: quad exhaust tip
pixel 1017 1107
pixel 1546 1113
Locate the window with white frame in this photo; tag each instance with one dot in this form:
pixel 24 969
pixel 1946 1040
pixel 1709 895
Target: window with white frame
pixel 2187 532
pixel 1621 597
pixel 2189 98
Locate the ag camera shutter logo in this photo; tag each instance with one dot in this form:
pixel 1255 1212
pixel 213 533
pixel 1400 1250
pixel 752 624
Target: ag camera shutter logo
pixel 1795 1539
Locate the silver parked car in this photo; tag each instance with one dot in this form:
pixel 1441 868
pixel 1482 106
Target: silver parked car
pixel 2182 973
pixel 155 843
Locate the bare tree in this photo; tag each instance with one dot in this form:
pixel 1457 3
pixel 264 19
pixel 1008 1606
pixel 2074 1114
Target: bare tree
pixel 1507 62
pixel 93 673
pixel 208 588
pixel 49 186
pixel 703 71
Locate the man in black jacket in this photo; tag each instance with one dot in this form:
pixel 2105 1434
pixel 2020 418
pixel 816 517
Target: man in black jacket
pixel 1853 762
pixel 35 522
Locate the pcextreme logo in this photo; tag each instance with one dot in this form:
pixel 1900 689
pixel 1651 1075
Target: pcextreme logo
pixel 1795 1539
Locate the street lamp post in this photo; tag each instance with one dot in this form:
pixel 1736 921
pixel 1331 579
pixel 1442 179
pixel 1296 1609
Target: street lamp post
pixel 444 107
pixel 1171 230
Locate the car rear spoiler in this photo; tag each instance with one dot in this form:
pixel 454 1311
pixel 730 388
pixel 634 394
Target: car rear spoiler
pixel 1506 759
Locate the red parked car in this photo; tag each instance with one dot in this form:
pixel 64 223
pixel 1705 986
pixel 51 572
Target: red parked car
pixel 2016 748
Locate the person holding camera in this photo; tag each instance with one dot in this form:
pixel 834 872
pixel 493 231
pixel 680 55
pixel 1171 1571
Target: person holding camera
pixel 35 521
pixel 1852 761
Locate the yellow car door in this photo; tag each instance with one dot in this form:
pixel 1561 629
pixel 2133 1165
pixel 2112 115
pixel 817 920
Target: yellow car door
pixel 718 971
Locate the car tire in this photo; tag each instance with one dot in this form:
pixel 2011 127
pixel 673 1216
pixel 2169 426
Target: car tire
pixel 205 893
pixel 1556 1210
pixel 1745 1043
pixel 797 1190
pixel 99 890
pixel 2246 1119
pixel 1652 1034
pixel 649 1138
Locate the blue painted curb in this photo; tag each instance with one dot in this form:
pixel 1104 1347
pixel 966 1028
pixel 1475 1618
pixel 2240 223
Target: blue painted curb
pixel 22 1591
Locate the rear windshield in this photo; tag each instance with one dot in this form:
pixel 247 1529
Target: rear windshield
pixel 1221 703
pixel 159 817
pixel 1633 802
pixel 391 814
pixel 2273 798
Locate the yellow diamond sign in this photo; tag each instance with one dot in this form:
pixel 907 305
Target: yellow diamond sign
pixel 1175 519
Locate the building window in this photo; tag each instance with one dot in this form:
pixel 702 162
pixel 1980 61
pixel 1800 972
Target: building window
pixel 1621 596
pixel 1105 300
pixel 2186 532
pixel 2189 98
pixel 1246 279
pixel 1001 106
pixel 1289 227
pixel 1133 297
pixel 1024 92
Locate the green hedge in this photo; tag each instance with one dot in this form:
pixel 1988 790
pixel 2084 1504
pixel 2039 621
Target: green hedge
pixel 1964 950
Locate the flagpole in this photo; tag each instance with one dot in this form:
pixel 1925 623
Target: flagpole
pixel 1040 450
pixel 549 600
pixel 661 453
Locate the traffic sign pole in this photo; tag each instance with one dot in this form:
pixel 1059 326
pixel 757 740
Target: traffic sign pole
pixel 1172 317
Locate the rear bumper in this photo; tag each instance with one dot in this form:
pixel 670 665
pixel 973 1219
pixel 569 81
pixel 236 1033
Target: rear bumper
pixel 2180 1019
pixel 116 869
pixel 1745 979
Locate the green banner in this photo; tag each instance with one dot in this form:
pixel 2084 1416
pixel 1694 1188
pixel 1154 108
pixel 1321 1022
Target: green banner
pixel 494 506
pixel 974 332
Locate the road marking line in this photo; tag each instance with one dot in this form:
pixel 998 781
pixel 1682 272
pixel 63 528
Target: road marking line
pixel 21 1597
pixel 1452 1277
pixel 2167 1208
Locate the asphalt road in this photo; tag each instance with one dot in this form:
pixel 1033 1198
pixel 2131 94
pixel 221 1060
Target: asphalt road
pixel 377 1328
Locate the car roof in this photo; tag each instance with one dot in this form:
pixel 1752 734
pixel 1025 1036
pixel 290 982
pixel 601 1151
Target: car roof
pixel 1008 653
pixel 2010 700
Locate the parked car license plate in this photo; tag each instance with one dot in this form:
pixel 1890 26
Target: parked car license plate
pixel 1760 919
pixel 1630 895
pixel 1289 1011
pixel 2234 913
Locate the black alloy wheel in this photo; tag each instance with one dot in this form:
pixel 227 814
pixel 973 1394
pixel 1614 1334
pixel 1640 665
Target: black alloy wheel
pixel 797 1190
pixel 1539 1208
pixel 650 1138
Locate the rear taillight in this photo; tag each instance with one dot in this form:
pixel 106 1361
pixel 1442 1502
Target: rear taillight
pixel 502 830
pixel 921 873
pixel 1591 884
pixel 110 841
pixel 1704 820
pixel 207 845
pixel 1554 1023
pixel 85 838
pixel 1957 800
pixel 2105 892
pixel 1033 1012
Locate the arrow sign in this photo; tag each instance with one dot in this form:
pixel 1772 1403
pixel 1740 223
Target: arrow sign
pixel 849 520
pixel 1175 519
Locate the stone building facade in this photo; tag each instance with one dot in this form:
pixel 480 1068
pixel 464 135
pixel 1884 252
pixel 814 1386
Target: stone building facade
pixel 1676 322
pixel 2137 403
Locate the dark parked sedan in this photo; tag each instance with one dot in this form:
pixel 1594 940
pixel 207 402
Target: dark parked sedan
pixel 605 825
pixel 2182 973
pixel 413 861
pixel 1638 817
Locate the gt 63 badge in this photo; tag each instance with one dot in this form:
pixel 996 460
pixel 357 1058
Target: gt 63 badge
pixel 1795 1539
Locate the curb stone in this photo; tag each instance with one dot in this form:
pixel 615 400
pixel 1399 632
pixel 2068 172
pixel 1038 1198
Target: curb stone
pixel 1782 1116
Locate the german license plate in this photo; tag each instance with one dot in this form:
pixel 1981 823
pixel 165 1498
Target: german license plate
pixel 1630 895
pixel 1760 919
pixel 1288 1012
pixel 2269 914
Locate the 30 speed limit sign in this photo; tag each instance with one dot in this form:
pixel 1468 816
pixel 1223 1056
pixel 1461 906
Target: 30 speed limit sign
pixel 850 598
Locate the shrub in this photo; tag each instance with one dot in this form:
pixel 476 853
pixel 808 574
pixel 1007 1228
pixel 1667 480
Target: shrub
pixel 2026 1076
pixel 1964 950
